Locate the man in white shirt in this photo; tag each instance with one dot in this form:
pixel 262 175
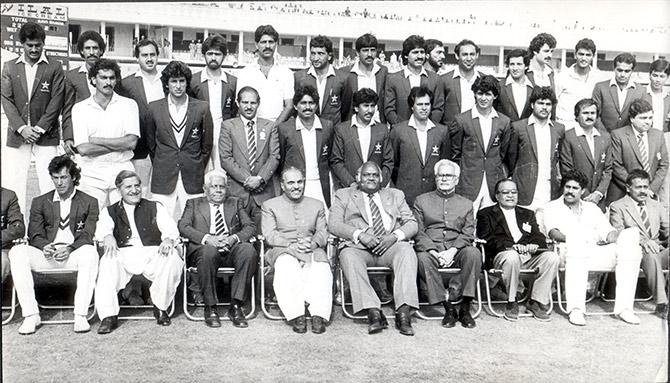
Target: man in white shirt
pixel 515 89
pixel 576 82
pixel 541 48
pixel 657 95
pixel 458 83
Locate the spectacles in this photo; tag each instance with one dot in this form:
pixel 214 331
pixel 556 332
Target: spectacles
pixel 447 176
pixel 508 192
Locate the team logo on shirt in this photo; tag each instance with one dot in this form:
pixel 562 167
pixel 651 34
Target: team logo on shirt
pixel 80 226
pixel 435 150
pixel 378 148
pixel 45 87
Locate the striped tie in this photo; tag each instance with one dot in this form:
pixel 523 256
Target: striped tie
pixel 645 219
pixel 219 225
pixel 377 223
pixel 64 222
pixel 251 143
pixel 643 151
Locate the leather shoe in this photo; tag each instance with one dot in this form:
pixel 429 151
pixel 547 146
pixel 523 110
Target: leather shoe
pixel 318 325
pixel 465 317
pixel 403 322
pixel 236 316
pixel 108 325
pixel 662 310
pixel 212 317
pixel 299 325
pixel 375 323
pixel 511 311
pixel 162 317
pixel 450 317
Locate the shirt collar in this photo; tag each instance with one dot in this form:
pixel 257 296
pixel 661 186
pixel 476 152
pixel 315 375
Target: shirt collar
pixel 42 59
pixel 650 92
pixel 82 69
pixel 204 76
pixel 300 126
pixel 141 75
pixel 354 123
pixel 509 81
pixel 631 84
pixel 407 73
pixel 357 70
pixel 579 131
pixel 476 114
pixel 412 123
pixel 91 101
pixel 57 196
pixel 534 68
pixel 573 74
pixel 312 71
pixel 457 74
pixel 245 121
pixel 172 103
pixel 533 121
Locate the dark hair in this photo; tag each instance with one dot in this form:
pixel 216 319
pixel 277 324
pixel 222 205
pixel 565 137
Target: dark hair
pixel 587 44
pixel 542 93
pixel 518 53
pixel 31 31
pixel 64 161
pixel 104 64
pixel 577 176
pixel 412 42
pixel 367 40
pixel 306 90
pixel 660 65
pixel 322 41
pixel 464 42
pixel 215 42
pixel 176 69
pixel 365 96
pixel 486 83
pixel 266 30
pixel 248 89
pixel 625 58
pixel 432 43
pixel 639 106
pixel 419 91
pixel 497 186
pixel 585 103
pixel 144 43
pixel 90 35
pixel 538 42
pixel 123 175
pixel 637 174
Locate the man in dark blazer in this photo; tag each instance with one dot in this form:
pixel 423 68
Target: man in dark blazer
pixel 586 148
pixel 418 144
pixel 32 97
pixel 249 153
pixel 541 48
pixel 457 83
pixel 360 139
pixel 60 234
pixel 365 72
pixel 536 151
pixel 399 84
pixel 628 155
pixel 322 76
pixel 11 223
pixel 179 136
pixel 657 96
pixel 218 229
pixel 305 143
pixel 514 241
pixel 515 84
pixel 614 96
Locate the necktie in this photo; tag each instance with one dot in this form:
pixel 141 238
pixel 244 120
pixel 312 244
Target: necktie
pixel 377 223
pixel 219 225
pixel 643 151
pixel 251 145
pixel 645 219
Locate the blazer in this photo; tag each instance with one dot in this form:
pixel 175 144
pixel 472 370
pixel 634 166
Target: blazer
pixel 443 222
pixel 506 104
pixel 552 82
pixel 397 89
pixel 626 157
pixel 613 115
pixel 188 157
pixel 346 156
pixel 350 80
pixel 76 89
pixel 45 217
pixel 413 172
pixel 524 171
pixel 11 219
pixel 46 101
pixel 624 213
pixel 467 150
pixel 133 87
pixel 452 96
pixel 492 227
pixel 292 151
pixel 666 109
pixel 196 221
pixel 576 155
pixel 200 90
pixel 348 214
pixel 330 108
pixel 234 157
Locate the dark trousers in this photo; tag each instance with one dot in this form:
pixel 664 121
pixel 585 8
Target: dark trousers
pixel 468 259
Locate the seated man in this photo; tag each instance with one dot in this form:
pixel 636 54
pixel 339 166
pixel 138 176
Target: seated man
pixel 513 241
pixel 587 241
pixel 218 229
pixel 139 237
pixel 446 231
pixel 638 211
pixel 11 222
pixel 60 233
pixel 374 224
pixel 295 226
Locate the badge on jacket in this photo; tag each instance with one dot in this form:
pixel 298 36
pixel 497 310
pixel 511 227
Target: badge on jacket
pixel 3 222
pixel 435 151
pixel 378 148
pixel 262 135
pixel 80 226
pixel 228 102
pixel 334 100
pixel 194 132
pixel 45 87
pixel 324 151
pixel 525 227
pixel 496 141
pixel 602 157
pixel 658 156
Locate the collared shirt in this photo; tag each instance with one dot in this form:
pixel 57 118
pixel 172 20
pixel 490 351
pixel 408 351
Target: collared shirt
pixel 166 225
pixel 84 70
pixel 321 83
pixel 214 89
pixel 486 124
pixel 244 123
pixel 467 97
pixel 657 106
pixel 212 214
pixel 421 135
pixel 178 116
pixel 414 79
pixel 274 89
pixel 512 224
pixel 519 91
pixel 153 88
pixel 541 76
pixel 309 148
pixel 364 136
pixel 590 138
pixel 570 88
pixel 64 235
pixel 621 94
pixel 367 81
pixel 543 140
pixel 587 224
pixel 31 71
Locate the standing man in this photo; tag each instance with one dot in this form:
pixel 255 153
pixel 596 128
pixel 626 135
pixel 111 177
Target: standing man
pixel 615 96
pixel 458 83
pixel 540 72
pixel 216 87
pixel 537 150
pixel 444 239
pixel 60 232
pixel 11 223
pixel 218 229
pixel 321 75
pixel 576 82
pixel 305 143
pixel 480 143
pixel 273 82
pixel 418 144
pixel 435 56
pixel 32 96
pixel 179 134
pixel 365 72
pixel 374 224
pixel 294 225
pixel 657 95
pixel 106 128
pixel 399 84
pixel 515 89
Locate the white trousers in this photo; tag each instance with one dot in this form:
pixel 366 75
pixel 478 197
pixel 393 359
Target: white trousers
pixel 116 271
pixel 170 200
pixel 296 284
pixel 143 169
pixel 24 258
pixel 623 257
pixel 97 180
pixel 214 160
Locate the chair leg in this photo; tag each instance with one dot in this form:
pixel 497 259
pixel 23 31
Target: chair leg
pixel 12 308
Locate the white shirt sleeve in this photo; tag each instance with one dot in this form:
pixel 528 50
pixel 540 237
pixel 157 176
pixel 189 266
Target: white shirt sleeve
pixel 105 225
pixel 80 131
pixel 132 117
pixel 288 84
pixel 166 224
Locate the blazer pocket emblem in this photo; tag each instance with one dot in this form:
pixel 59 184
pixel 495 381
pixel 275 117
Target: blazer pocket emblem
pixel 45 87
pixel 602 157
pixel 658 156
pixel 525 227
pixel 3 223
pixel 435 151
pixel 228 102
pixel 496 141
pixel 194 133
pixel 324 151
pixel 334 100
pixel 378 148
pixel 80 226
pixel 262 135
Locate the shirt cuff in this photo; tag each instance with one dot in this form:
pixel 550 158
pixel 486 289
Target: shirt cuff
pixel 20 129
pixel 40 130
pixel 400 235
pixel 204 239
pixel 599 193
pixel 357 233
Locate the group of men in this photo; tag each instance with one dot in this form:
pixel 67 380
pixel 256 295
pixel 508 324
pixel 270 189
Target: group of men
pixel 375 159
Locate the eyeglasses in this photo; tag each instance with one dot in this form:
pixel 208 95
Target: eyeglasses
pixel 447 176
pixel 508 192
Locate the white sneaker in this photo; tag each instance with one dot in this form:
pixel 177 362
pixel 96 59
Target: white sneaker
pixel 30 324
pixel 629 317
pixel 81 324
pixel 577 318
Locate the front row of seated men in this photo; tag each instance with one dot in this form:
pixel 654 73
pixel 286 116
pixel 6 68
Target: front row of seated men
pixel 374 224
